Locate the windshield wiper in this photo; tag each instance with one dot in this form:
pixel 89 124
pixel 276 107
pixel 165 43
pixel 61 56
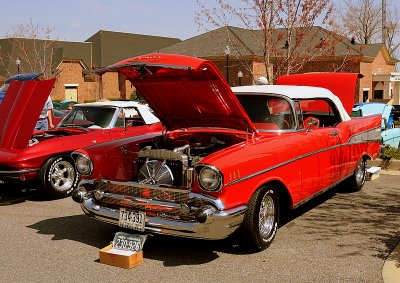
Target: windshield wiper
pixel 72 126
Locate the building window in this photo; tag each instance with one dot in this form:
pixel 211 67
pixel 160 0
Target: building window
pixel 378 94
pixel 365 95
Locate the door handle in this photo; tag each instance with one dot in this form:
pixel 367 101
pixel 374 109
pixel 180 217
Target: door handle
pixel 334 133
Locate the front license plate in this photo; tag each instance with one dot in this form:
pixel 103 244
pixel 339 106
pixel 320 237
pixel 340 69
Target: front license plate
pixel 132 219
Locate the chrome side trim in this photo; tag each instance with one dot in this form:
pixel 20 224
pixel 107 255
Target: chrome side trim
pixel 304 156
pixel 15 174
pixel 18 171
pixel 366 136
pixel 261 172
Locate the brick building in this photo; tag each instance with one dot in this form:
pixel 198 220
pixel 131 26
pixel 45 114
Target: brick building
pixel 111 47
pixel 73 62
pixel 64 59
pixel 244 64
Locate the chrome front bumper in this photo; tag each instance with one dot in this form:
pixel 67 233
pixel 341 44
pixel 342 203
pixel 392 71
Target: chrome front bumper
pixel 218 224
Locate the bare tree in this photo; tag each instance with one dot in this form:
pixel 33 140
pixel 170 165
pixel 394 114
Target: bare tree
pixel 283 29
pixel 393 33
pixel 361 20
pixel 31 46
pixel 368 21
pixel 254 15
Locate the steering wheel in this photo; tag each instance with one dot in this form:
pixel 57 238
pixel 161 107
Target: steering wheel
pixel 278 120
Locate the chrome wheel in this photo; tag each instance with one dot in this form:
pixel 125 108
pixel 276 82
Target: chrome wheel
pixel 62 175
pixel 357 180
pixel 58 176
pixel 266 220
pixel 260 222
pixel 359 173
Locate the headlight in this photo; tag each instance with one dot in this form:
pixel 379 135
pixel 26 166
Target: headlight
pixel 84 165
pixel 210 179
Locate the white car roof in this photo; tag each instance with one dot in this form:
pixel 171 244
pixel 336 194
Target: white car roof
pixel 116 103
pixel 295 92
pixel 145 112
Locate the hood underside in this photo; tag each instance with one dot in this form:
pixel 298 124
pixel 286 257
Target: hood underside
pixel 184 92
pixel 20 110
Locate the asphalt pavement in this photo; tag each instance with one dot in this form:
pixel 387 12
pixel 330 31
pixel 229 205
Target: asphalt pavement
pixel 391 267
pixel 337 237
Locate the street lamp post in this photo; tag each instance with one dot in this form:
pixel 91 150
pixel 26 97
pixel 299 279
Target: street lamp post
pixel 240 76
pixel 227 52
pixel 18 62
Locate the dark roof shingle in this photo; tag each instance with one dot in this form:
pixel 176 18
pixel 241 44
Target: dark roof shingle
pixel 247 43
pixel 110 47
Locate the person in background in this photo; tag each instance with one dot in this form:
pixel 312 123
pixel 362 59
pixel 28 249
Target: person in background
pixel 45 120
pixel 70 106
pixel 262 81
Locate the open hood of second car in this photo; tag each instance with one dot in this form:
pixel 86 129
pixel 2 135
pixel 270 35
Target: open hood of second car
pixel 184 92
pixel 343 85
pixel 20 110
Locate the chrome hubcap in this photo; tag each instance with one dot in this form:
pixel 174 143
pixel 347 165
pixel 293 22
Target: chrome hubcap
pixel 62 176
pixel 266 216
pixel 360 172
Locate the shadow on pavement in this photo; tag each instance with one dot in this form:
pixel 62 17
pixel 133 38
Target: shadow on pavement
pixel 370 215
pixel 337 215
pixel 79 228
pixel 14 193
pixel 173 251
pixel 17 193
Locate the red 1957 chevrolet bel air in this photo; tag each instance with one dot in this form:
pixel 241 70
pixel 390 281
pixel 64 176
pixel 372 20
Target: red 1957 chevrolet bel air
pixel 229 159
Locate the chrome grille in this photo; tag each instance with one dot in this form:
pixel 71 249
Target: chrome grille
pixel 129 191
pixel 150 210
pixel 145 191
pixel 123 194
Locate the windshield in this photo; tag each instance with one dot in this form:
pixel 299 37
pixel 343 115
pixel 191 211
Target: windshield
pixel 89 117
pixel 4 87
pixel 268 112
pixel 3 90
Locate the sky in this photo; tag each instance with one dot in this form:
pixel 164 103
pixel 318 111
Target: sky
pixel 77 20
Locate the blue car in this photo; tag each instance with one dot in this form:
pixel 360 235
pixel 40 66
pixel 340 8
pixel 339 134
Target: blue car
pixel 19 77
pixel 390 134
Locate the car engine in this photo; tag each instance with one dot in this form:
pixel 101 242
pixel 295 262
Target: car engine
pixel 174 165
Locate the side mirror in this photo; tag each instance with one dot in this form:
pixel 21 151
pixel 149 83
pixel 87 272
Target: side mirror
pixel 385 122
pixel 311 123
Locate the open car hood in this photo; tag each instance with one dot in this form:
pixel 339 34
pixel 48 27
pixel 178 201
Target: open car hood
pixel 343 85
pixel 184 92
pixel 20 110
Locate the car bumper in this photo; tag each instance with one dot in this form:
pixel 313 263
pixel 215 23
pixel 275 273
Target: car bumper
pixel 18 175
pixel 218 224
